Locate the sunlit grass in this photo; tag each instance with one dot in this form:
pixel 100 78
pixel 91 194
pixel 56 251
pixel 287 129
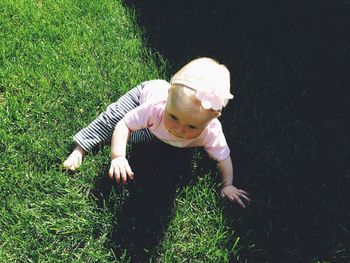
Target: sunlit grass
pixel 61 64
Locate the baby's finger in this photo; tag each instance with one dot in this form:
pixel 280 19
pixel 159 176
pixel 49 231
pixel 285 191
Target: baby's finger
pixel 222 195
pixel 242 192
pixel 232 198
pixel 117 174
pixel 123 175
pixel 111 172
pixel 239 201
pixel 245 197
pixel 129 172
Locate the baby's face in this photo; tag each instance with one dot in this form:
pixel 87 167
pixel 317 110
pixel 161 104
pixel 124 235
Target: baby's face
pixel 185 119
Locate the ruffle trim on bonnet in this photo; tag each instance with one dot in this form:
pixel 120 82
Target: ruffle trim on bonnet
pixel 209 79
pixel 207 92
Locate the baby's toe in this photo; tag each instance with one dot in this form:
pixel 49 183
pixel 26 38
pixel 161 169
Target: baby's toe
pixel 71 164
pixel 67 164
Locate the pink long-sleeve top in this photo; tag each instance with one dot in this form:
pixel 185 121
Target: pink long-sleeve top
pixel 150 115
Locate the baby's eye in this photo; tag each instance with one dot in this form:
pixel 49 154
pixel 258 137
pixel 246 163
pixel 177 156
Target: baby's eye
pixel 192 127
pixel 173 117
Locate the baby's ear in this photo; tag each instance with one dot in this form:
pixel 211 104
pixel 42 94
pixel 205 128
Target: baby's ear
pixel 217 113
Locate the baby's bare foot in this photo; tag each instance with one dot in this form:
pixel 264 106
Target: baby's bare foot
pixel 75 159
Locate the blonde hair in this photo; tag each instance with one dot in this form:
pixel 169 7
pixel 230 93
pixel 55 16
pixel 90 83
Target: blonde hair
pixel 185 96
pixel 205 74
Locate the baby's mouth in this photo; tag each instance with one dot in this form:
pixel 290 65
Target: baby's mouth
pixel 178 136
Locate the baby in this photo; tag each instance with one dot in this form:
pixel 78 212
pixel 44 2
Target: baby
pixel 182 113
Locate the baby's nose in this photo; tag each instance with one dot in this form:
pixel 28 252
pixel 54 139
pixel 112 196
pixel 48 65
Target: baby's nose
pixel 183 128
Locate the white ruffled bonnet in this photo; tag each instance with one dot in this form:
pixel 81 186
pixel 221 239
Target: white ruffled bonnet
pixel 209 79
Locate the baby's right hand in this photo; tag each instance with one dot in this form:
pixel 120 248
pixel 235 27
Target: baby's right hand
pixel 120 168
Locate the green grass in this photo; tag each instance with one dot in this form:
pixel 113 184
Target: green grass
pixel 198 230
pixel 61 64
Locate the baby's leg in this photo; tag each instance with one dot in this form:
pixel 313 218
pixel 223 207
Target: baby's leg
pixel 98 131
pixel 101 129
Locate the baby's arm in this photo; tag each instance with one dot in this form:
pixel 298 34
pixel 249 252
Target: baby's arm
pixel 228 190
pixel 120 167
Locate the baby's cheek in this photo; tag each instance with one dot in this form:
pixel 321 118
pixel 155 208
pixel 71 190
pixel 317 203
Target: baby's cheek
pixel 193 134
pixel 166 123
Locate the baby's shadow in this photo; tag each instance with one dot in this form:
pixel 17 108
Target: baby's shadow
pixel 145 204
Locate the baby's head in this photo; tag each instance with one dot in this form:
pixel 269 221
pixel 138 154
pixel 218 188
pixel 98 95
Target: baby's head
pixel 197 94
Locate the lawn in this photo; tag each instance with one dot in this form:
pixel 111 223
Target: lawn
pixel 61 64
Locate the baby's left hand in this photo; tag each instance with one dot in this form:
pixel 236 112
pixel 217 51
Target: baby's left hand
pixel 234 194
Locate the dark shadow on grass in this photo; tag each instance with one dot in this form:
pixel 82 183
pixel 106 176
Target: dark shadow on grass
pixel 287 125
pixel 145 206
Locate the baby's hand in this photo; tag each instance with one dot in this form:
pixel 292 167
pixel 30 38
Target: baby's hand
pixel 120 168
pixel 234 194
